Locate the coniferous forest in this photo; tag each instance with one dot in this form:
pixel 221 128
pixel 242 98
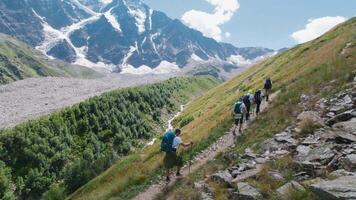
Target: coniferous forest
pixel 68 148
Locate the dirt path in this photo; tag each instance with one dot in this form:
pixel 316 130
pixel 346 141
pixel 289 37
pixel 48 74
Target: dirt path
pixel 210 153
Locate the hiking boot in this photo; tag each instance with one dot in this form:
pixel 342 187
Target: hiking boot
pixel 178 174
pixel 168 179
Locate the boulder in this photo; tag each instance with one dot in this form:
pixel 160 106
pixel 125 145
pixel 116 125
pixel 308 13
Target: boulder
pixel 347 126
pixel 272 145
pixel 223 177
pixel 249 154
pixel 344 137
pixel 311 139
pixel 349 163
pixel 322 154
pixel 285 190
pixel 341 172
pixel 285 137
pixel 340 188
pixel 201 185
pixel 246 192
pixel 303 151
pixel 345 116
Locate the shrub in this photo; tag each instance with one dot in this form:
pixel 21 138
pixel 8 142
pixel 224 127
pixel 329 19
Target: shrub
pixel 308 126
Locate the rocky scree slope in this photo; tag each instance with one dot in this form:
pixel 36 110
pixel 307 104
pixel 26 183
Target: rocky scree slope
pixel 122 35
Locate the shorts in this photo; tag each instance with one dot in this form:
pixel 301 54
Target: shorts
pixel 238 118
pixel 171 159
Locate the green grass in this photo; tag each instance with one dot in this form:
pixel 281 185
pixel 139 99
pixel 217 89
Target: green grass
pixel 312 77
pixel 19 61
pixel 304 69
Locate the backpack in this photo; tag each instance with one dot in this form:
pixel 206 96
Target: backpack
pixel 268 84
pixel 246 100
pixel 257 96
pixel 167 141
pixel 237 108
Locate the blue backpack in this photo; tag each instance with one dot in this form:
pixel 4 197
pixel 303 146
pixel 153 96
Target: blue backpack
pixel 167 141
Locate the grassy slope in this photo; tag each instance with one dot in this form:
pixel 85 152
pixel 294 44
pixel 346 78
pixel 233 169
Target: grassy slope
pixel 18 61
pixel 305 69
pixel 314 62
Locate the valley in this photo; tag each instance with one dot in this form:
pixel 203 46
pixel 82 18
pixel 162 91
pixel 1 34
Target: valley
pixel 35 97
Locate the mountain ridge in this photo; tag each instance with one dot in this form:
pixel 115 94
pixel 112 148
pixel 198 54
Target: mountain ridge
pixel 117 36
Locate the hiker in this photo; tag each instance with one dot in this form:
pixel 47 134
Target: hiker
pixel 170 143
pixel 268 88
pixel 248 100
pixel 238 113
pixel 258 100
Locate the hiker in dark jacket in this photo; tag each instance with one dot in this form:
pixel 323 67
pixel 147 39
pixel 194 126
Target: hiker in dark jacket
pixel 172 158
pixel 258 100
pixel 268 88
pixel 248 100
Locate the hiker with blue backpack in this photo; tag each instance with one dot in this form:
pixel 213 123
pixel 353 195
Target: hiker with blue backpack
pixel 170 143
pixel 238 114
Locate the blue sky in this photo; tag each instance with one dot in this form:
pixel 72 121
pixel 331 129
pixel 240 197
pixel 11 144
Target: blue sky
pixel 267 23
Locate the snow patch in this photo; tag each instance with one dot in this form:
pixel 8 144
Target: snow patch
pixel 195 57
pixel 112 20
pixel 106 1
pixel 140 18
pixel 239 60
pixel 53 37
pixel 164 67
pixel 83 7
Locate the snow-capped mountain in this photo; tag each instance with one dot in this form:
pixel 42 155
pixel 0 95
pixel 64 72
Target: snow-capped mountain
pixel 115 35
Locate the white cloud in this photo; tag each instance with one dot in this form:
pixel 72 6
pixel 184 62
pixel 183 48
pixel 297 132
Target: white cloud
pixel 209 23
pixel 316 27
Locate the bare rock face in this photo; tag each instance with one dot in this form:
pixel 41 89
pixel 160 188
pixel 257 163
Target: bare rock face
pixel 341 188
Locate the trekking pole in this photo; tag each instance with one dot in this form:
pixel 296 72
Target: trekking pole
pixel 190 158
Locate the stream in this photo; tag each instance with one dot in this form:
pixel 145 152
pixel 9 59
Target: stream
pixel 169 124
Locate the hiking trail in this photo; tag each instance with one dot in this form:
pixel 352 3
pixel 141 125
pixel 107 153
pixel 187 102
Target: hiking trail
pixel 222 144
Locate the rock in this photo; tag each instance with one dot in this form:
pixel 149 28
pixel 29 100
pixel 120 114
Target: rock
pixel 349 163
pixel 348 126
pixel 223 177
pixel 312 139
pixel 206 196
pixel 285 190
pixel 322 154
pixel 200 185
pixel 341 172
pixel 285 137
pixel 281 152
pixel 235 173
pixel 261 160
pixel 303 150
pixel 272 145
pixel 246 192
pixel 249 154
pixel 311 115
pixel 345 116
pixel 344 137
pixel 231 156
pixel 340 188
pixel 276 176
